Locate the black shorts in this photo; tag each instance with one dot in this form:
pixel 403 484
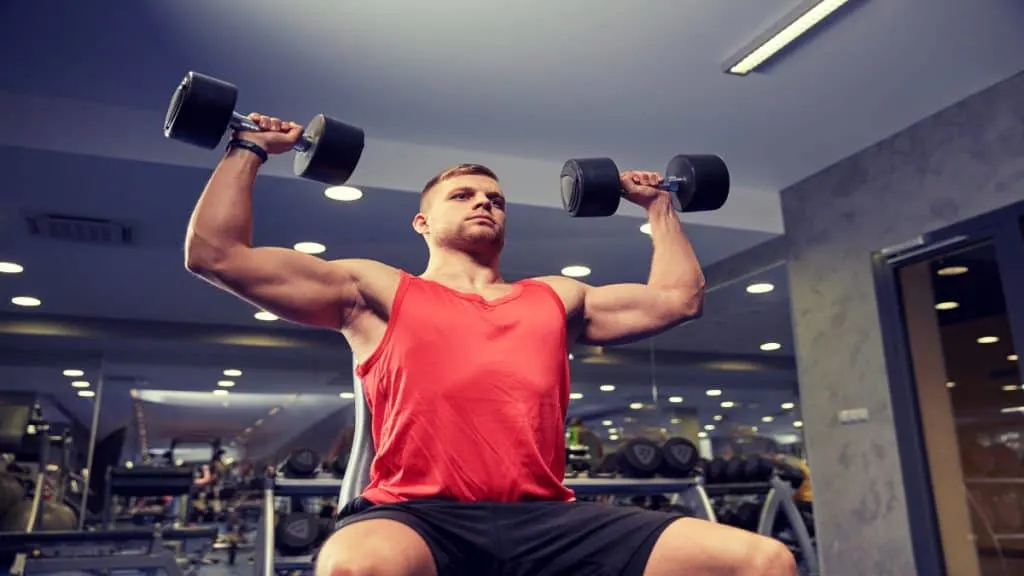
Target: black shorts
pixel 527 538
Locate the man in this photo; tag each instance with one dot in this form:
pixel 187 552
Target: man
pixel 467 379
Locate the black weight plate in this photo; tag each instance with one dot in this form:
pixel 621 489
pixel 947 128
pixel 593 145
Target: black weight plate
pixel 302 463
pixel 707 182
pixel 338 466
pixel 715 471
pixel 757 469
pixel 790 474
pixel 200 110
pixel 639 458
pixel 297 533
pixel 335 151
pixel 679 456
pixel 590 187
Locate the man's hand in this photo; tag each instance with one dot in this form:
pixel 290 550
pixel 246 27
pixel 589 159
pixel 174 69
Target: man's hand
pixel 640 187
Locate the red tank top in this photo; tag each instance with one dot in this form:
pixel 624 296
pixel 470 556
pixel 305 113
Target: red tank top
pixel 468 397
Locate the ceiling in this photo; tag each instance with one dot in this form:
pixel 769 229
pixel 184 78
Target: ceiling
pixel 520 87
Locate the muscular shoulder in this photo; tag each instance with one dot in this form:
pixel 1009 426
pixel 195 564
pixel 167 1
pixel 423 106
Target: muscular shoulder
pixel 571 291
pixel 374 283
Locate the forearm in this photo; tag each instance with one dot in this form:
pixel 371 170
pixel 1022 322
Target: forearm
pixel 674 265
pixel 222 219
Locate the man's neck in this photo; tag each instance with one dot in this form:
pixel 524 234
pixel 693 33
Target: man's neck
pixel 459 269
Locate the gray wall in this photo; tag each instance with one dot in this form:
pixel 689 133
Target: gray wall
pixel 961 162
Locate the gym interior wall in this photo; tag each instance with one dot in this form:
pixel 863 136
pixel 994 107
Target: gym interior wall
pixel 961 162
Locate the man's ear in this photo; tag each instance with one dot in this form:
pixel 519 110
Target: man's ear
pixel 420 225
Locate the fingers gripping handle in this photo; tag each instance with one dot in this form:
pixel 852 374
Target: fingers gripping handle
pixel 671 184
pixel 243 123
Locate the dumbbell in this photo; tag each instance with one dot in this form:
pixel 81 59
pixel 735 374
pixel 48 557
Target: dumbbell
pixel 591 186
pixel 639 458
pixel 301 463
pixel 202 109
pixel 300 533
pixel 679 457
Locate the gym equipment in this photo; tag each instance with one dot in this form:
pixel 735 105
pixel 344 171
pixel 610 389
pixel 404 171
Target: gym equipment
pixel 338 466
pixel 789 473
pixel 679 457
pixel 300 533
pixel 12 492
pixel 301 463
pixel 715 472
pixel 202 109
pixel 639 458
pixel 145 482
pixel 53 516
pixel 591 186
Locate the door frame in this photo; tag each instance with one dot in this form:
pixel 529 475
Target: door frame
pixel 1004 228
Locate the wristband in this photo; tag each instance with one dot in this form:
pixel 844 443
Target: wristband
pixel 250 146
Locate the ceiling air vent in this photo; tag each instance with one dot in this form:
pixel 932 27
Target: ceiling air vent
pixel 80 229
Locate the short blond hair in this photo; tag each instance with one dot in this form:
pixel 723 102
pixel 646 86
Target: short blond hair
pixel 454 172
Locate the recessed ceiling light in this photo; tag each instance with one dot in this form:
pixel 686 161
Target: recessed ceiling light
pixel 952 270
pixel 606 422
pixel 265 316
pixel 86 394
pixel 233 372
pixel 74 373
pixel 226 383
pixel 770 346
pixel 1012 357
pixel 760 288
pixel 950 384
pixel 1010 388
pixel 613 437
pixel 26 301
pixel 788 405
pixel 576 271
pixel 988 340
pixel 798 424
pixel 220 392
pixel 675 399
pixel 80 384
pixel 576 396
pixel 768 419
pixel 571 357
pixel 717 417
pixel 702 434
pixel 713 392
pixel 709 426
pixel 676 421
pixel 607 388
pixel 636 405
pixel 753 428
pixel 347 395
pixel 343 193
pixel 11 268
pixel 646 228
pixel 947 305
pixel 310 247
pixel 727 404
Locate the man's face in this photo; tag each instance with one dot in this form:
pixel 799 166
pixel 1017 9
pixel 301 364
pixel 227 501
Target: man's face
pixel 466 213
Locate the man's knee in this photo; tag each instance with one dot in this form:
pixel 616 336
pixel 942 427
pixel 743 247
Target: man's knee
pixel 375 548
pixel 769 557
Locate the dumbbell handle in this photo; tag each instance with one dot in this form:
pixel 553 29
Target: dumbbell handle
pixel 670 184
pixel 244 123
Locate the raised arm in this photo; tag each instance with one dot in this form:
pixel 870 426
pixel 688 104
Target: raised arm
pixel 295 286
pixel 674 292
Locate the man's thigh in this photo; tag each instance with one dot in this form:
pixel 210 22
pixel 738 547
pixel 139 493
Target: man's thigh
pixel 702 547
pixel 578 538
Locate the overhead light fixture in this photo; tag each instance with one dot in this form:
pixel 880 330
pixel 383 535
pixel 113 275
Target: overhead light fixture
pixel 947 305
pixel 676 421
pixel 702 434
pixel 1010 388
pixel 226 383
pixel 86 394
pixel 607 388
pixel 310 247
pixel 232 372
pixel 613 437
pixel 27 301
pixel 220 392
pixel 11 268
pixel 798 424
pixel 675 399
pixel 951 270
pixel 713 392
pixel 727 404
pixel 347 395
pixel 788 405
pixel 717 417
pixel 1012 357
pixel 709 427
pixel 950 384
pixel 782 34
pixel 606 422
pixel 988 340
pixel 760 288
pixel 264 316
pixel 576 396
pixel 770 346
pixel 576 271
pixel 646 228
pixel 343 193
pixel 74 373
pixel 80 384
pixel 768 419
pixel 636 405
